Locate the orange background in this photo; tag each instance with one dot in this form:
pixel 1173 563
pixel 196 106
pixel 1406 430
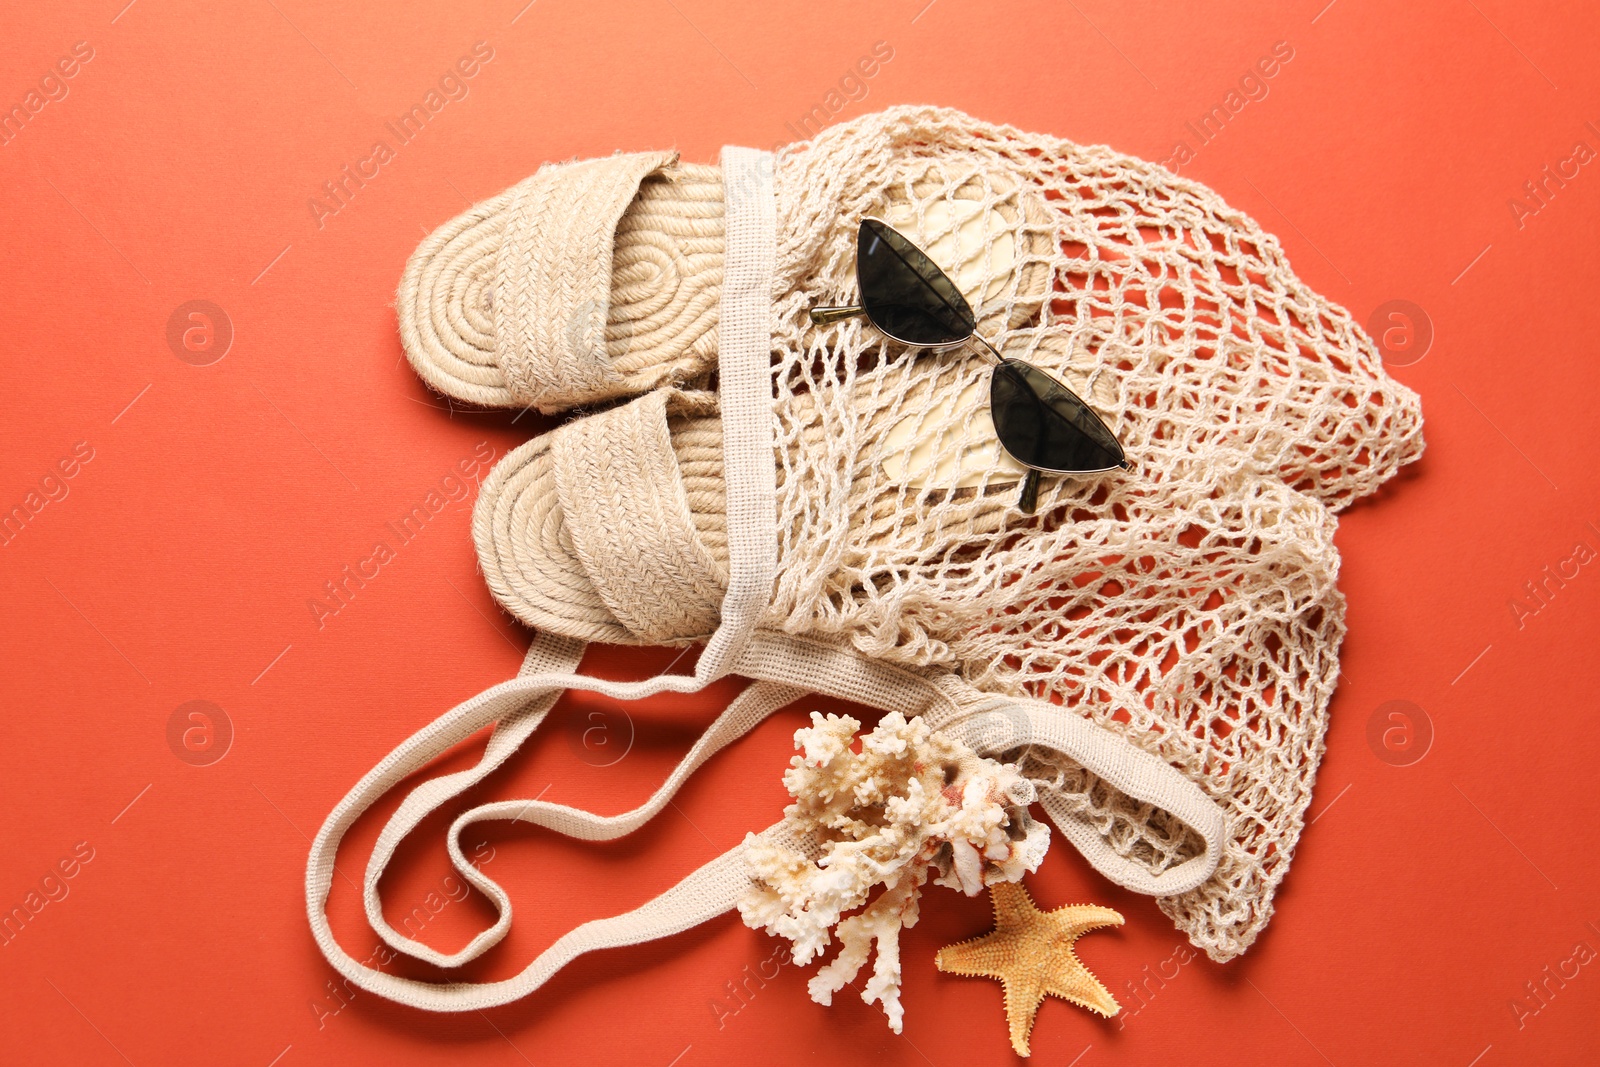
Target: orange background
pixel 218 499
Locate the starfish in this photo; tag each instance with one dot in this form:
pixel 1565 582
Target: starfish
pixel 1030 952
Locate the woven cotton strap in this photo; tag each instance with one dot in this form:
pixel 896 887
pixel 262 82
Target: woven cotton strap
pixel 552 282
pixel 997 725
pixel 786 667
pixel 744 386
pixel 517 707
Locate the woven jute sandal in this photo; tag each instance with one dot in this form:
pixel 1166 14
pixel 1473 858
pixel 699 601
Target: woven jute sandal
pixel 1155 648
pixel 588 281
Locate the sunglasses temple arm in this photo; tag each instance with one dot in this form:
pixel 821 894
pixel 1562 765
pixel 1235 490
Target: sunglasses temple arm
pixel 826 315
pixel 1028 502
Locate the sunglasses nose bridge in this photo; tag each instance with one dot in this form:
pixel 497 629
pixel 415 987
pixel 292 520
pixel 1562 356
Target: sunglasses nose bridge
pixel 988 349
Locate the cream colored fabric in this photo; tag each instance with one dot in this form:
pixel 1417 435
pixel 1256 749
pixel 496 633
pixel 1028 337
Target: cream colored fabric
pixel 744 392
pixel 1190 605
pixel 587 281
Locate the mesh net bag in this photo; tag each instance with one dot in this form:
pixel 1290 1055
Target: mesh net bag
pixel 1192 604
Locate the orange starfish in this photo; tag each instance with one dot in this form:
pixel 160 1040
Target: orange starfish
pixel 1030 952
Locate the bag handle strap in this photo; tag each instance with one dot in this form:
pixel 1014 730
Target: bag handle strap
pixel 785 667
pixel 756 703
pixel 518 707
pixel 744 392
pixel 997 726
pixel 547 653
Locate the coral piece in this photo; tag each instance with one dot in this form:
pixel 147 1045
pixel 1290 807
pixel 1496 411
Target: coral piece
pixel 1030 951
pixel 909 801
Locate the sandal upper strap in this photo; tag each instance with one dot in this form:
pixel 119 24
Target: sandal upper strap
pixel 623 502
pixel 552 286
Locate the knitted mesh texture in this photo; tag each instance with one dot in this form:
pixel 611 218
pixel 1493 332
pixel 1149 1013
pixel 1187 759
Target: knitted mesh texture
pixel 1191 603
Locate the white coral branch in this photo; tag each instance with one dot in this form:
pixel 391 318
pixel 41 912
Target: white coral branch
pixel 880 922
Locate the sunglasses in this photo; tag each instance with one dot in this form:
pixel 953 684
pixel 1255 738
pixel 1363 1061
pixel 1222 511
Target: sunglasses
pixel 1040 422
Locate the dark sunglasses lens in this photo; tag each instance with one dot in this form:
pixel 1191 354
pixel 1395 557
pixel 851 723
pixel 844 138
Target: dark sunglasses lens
pixel 1044 424
pixel 905 293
